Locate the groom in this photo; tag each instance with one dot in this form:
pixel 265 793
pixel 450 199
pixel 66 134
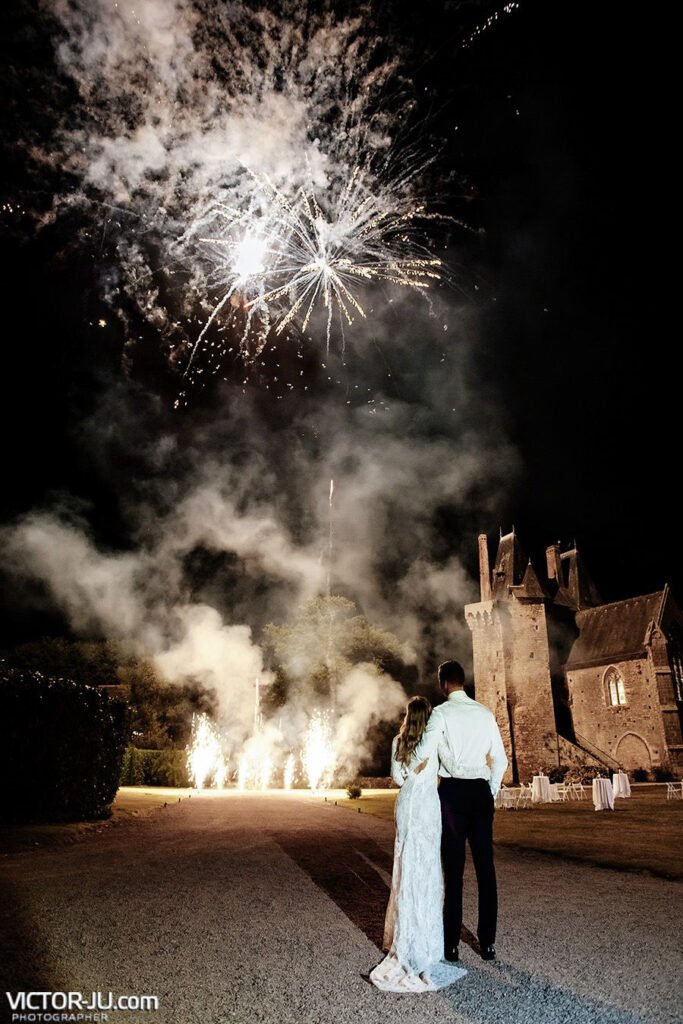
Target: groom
pixel 469 733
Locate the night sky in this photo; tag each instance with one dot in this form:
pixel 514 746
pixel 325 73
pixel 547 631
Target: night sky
pixel 545 119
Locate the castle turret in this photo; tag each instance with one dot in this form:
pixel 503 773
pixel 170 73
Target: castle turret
pixel 509 567
pixel 574 587
pixel 512 660
pixel 484 569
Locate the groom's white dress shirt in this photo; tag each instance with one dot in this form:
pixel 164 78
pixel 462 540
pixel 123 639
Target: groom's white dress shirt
pixel 463 733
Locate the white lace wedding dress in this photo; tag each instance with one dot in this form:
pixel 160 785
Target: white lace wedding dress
pixel 413 929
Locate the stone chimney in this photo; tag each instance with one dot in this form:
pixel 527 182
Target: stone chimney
pixel 554 562
pixel 484 568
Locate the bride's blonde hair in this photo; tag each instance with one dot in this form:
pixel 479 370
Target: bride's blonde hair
pixel 414 724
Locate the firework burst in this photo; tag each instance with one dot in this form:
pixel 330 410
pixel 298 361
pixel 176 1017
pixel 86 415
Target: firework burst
pixel 264 182
pixel 282 258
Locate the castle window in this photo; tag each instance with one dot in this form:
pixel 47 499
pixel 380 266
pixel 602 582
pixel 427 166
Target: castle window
pixel 614 686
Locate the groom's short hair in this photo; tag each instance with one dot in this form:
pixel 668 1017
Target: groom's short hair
pixel 451 672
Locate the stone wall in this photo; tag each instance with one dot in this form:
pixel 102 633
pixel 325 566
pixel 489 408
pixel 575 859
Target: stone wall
pixel 529 687
pixel 632 734
pixel 488 645
pixel 512 677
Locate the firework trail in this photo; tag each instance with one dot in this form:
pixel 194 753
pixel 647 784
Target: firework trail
pixel 330 539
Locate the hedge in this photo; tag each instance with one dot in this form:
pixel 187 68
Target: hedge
pixel 61 748
pixel 154 768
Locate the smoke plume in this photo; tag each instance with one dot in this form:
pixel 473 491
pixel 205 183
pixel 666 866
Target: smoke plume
pixel 225 522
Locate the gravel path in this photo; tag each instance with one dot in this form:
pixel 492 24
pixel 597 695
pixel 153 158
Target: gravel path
pixel 241 908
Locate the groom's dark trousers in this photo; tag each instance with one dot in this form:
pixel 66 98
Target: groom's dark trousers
pixel 467 815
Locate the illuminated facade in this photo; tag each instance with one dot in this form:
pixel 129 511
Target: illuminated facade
pixel 573 680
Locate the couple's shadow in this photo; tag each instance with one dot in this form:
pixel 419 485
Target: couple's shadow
pixel 355 872
pixel 499 991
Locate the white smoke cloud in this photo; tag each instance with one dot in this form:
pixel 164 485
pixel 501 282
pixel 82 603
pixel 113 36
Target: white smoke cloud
pixel 223 657
pixel 137 598
pixel 365 697
pixel 176 99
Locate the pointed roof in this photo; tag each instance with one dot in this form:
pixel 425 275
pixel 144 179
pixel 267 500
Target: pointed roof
pixel 531 588
pixel 510 566
pixel 617 631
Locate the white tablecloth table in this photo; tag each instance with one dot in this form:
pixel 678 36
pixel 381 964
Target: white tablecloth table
pixel 603 795
pixel 554 794
pixel 506 797
pixel 621 785
pixel 540 790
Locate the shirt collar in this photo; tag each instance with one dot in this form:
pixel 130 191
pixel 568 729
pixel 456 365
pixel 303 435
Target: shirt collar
pixel 458 695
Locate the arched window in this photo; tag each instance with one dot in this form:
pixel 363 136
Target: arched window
pixel 614 687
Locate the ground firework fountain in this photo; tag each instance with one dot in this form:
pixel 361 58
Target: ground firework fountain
pixel 206 763
pixel 290 768
pixel 318 757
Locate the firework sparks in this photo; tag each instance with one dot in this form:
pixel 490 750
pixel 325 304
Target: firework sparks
pixel 274 171
pixel 290 765
pixel 205 760
pixel 249 257
pixel 265 772
pixel 318 756
pixel 315 251
pixel 490 21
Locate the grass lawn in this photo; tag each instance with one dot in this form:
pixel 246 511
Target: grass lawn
pixel 129 802
pixel 643 833
pixel 139 801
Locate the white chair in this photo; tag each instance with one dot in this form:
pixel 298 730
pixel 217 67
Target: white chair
pixel 562 790
pixel 507 798
pixel 578 791
pixel 674 791
pixel 524 795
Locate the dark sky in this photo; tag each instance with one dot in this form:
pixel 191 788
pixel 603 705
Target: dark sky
pixel 587 395
pixel 554 144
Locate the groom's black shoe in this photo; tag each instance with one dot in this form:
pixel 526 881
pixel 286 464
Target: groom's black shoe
pixel 488 952
pixel 451 953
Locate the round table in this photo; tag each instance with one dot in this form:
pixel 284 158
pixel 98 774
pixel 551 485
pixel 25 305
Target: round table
pixel 603 795
pixel 540 790
pixel 621 785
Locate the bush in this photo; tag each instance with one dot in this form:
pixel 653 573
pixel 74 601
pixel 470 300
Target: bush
pixel 585 773
pixel 376 782
pixel 353 791
pixel 61 748
pixel 132 773
pixel 640 774
pixel 558 774
pixel 154 768
pixel 663 775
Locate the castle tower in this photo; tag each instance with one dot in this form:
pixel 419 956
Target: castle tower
pixel 512 658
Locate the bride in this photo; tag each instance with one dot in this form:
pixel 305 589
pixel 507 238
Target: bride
pixel 413 929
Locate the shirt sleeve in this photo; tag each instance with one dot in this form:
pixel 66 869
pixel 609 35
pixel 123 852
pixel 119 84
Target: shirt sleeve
pixel 399 770
pixel 428 745
pixel 499 761
pixel 447 759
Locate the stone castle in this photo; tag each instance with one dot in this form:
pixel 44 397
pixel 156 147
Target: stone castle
pixel 572 680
